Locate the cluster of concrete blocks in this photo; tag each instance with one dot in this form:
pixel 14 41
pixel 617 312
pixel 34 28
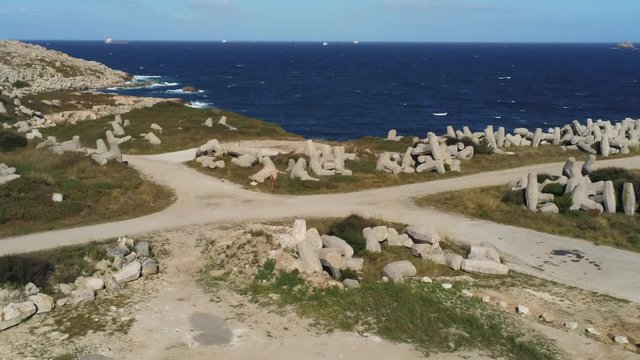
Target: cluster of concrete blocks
pixel 324 160
pixel 7 173
pixel 28 128
pixel 119 134
pixel 320 253
pixel 331 254
pixel 585 194
pixel 598 137
pixel 430 154
pixel 424 242
pixel 222 122
pixel 19 305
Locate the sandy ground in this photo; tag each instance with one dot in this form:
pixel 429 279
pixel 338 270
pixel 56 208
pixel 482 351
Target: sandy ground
pixel 175 318
pixel 204 199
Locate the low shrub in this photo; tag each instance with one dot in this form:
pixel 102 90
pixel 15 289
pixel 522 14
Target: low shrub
pixel 483 147
pixel 543 177
pixel 554 188
pixel 350 230
pixel 348 274
pixel 513 197
pixel 19 84
pixel 19 270
pixel 563 203
pixel 11 140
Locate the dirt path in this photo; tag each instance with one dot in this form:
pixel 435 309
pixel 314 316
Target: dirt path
pixel 203 199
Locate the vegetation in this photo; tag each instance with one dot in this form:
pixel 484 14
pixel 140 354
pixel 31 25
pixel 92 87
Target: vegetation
pixel 500 204
pixel 425 315
pixel 19 84
pixel 92 193
pixel 70 101
pixel 11 140
pixel 182 128
pixel 46 268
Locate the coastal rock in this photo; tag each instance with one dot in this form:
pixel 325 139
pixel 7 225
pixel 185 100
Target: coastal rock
pixel 532 192
pixel 46 70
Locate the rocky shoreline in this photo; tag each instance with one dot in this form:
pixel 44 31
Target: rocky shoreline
pixel 34 69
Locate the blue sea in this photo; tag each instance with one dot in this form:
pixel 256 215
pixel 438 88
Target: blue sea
pixel 346 91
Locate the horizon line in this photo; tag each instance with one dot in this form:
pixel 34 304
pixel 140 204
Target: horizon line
pixel 116 41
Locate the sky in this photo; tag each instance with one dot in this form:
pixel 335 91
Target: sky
pixel 323 20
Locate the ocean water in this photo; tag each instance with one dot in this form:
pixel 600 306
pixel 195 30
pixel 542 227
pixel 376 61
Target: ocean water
pixel 345 91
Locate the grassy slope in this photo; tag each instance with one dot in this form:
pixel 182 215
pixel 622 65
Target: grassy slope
pixel 497 204
pixel 92 193
pixel 182 129
pixel 365 175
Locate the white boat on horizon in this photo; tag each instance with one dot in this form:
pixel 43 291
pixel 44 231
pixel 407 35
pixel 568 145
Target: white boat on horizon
pixel 325 43
pixel 108 40
pixel 356 42
pixel 224 41
pixel 440 114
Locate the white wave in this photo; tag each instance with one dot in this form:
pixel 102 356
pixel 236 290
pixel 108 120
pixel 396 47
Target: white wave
pixel 198 104
pixel 140 78
pixel 504 78
pixel 180 91
pixel 506 101
pixel 440 114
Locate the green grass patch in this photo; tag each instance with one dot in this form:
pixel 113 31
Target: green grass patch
pixel 46 268
pixel 424 315
pixel 92 193
pixel 182 129
pixel 501 205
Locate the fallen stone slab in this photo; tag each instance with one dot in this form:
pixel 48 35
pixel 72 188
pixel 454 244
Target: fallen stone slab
pixel 128 273
pixel 44 303
pixel 338 243
pixel 422 234
pixel 15 313
pixel 79 295
pixel 484 267
pixel 484 253
pixel 397 271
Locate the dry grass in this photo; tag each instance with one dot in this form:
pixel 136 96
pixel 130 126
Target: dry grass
pixel 500 204
pixel 93 193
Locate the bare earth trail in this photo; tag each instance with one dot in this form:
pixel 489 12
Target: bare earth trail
pixel 203 199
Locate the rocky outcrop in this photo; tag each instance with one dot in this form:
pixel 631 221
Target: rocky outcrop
pixel 39 69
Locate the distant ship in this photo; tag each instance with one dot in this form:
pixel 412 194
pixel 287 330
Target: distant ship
pixel 224 41
pixel 325 43
pixel 356 42
pixel 626 45
pixel 110 41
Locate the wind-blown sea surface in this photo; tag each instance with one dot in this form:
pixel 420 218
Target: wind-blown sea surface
pixel 345 90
